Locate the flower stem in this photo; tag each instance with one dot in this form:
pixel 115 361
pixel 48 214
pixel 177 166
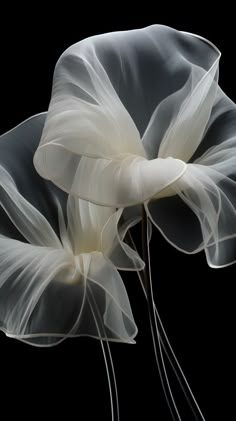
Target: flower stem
pixel 169 352
pixel 111 376
pixel 153 322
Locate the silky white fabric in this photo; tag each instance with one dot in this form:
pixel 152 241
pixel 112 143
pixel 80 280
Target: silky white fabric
pixel 138 117
pixel 58 279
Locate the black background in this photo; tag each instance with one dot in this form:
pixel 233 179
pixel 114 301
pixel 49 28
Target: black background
pixel 196 303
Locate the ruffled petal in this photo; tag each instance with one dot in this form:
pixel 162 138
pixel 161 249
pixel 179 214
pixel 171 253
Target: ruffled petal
pixel 177 223
pixel 17 148
pixel 210 195
pixel 84 101
pixel 221 158
pixel 47 295
pixel 106 91
pixel 202 214
pixel 122 256
pixel 221 125
pixel 106 301
pixel 191 115
pixel 26 283
pixel 214 202
pixel 27 219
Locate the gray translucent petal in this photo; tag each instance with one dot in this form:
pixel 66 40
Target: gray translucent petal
pixel 17 148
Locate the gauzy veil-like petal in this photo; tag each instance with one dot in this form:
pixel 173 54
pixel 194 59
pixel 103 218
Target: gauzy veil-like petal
pixel 199 210
pixel 105 91
pixel 138 117
pixel 63 282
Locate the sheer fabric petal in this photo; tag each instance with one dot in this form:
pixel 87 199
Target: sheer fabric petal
pixel 17 148
pixel 207 188
pixel 51 283
pixel 141 115
pixel 106 90
pixel 40 305
pixel 99 227
pixel 210 195
pixel 26 271
pixel 27 219
pixel 48 293
pixel 107 299
pixel 113 246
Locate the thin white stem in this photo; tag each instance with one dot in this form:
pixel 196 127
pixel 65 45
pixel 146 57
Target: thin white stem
pixel 171 355
pixel 153 325
pixel 115 416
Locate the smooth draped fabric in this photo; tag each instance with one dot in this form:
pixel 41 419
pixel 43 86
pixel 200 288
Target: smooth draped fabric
pixel 59 255
pixel 138 117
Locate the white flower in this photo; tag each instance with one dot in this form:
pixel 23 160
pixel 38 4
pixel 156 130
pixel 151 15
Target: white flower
pixel 58 284
pixel 138 117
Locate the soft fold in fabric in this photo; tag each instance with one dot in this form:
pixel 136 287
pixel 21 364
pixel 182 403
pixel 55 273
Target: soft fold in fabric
pixel 58 265
pixel 138 117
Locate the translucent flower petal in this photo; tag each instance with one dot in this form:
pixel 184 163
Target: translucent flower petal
pixel 141 117
pixel 106 91
pixel 95 304
pixel 210 195
pixel 46 295
pixel 17 148
pixel 27 219
pixel 114 248
pixel 26 272
pixel 208 189
pixel 110 300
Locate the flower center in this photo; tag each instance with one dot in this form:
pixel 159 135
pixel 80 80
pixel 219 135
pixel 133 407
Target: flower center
pixel 142 179
pixel 79 268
